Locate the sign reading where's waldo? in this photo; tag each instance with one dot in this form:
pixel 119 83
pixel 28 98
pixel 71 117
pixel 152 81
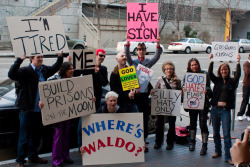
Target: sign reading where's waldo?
pixel 142 21
pixel 112 138
pixel 195 86
pixel 37 35
pixel 128 78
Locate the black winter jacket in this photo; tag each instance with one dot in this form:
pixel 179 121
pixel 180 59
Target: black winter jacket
pixel 27 82
pixel 232 84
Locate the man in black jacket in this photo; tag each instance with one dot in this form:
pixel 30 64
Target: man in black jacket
pixel 27 100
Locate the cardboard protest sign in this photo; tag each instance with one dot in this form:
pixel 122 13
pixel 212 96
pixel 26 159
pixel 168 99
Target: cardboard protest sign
pixel 194 96
pixel 37 35
pixel 65 99
pixel 144 76
pixel 112 138
pixel 142 21
pixel 83 59
pixel 166 102
pixel 225 51
pixel 128 78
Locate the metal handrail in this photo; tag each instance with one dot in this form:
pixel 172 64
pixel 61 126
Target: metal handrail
pixel 47 7
pixel 89 23
pixel 41 6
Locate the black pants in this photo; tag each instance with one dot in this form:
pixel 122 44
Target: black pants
pixel 142 103
pixel 160 123
pixel 244 103
pixel 193 114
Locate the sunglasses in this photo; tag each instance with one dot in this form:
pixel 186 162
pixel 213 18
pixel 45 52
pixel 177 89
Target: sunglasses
pixel 141 49
pixel 102 56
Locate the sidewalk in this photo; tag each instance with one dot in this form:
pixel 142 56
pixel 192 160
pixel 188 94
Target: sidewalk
pixel 178 157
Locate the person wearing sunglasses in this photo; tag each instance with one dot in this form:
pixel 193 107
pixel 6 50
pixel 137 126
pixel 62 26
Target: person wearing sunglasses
pixel 141 99
pixel 100 78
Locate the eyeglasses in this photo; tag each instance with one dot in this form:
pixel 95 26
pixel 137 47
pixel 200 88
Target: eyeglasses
pixel 141 49
pixel 102 56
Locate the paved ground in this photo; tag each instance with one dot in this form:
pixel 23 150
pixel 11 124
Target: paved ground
pixel 178 157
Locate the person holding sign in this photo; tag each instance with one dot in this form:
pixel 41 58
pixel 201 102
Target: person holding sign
pixel 223 100
pixel 27 79
pixel 246 92
pixel 141 99
pixel 194 67
pixel 111 104
pixel 126 98
pixel 60 148
pixel 169 81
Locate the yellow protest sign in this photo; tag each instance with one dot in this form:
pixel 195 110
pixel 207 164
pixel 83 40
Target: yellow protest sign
pixel 128 78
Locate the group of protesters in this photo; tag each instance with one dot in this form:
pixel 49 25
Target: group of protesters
pixel 222 100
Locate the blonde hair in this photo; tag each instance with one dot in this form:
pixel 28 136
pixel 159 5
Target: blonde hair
pixel 174 76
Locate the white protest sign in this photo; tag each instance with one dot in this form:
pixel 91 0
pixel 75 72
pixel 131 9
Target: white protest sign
pixel 194 96
pixel 144 76
pixel 65 99
pixel 166 102
pixel 112 138
pixel 37 35
pixel 83 59
pixel 225 51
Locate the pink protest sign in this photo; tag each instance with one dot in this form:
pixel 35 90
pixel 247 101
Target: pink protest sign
pixel 142 21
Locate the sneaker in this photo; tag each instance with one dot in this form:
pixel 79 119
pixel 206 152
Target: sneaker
pixel 240 118
pixel 248 118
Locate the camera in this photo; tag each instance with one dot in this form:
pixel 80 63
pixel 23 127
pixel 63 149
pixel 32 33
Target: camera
pixel 242 136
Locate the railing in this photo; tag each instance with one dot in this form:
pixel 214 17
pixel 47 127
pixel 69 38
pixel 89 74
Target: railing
pixel 36 9
pixel 91 27
pixel 50 10
pixel 107 42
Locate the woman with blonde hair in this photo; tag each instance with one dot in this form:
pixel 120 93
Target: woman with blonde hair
pixel 223 100
pixel 168 81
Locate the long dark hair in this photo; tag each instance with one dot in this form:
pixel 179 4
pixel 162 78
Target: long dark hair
pixel 218 72
pixel 189 64
pixel 64 68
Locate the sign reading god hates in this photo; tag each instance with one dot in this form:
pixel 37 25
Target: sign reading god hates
pixel 128 78
pixel 65 99
pixel 37 35
pixel 194 96
pixel 83 59
pixel 112 138
pixel 225 51
pixel 166 102
pixel 142 21
pixel 144 76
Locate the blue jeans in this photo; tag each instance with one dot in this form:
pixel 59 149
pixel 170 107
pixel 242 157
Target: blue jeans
pixel 29 135
pixel 224 116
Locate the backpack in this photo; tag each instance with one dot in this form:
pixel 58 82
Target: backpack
pixel 182 135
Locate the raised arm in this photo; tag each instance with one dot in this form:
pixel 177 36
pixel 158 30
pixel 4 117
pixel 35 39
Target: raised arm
pixel 238 70
pixel 14 72
pixel 127 52
pixel 157 54
pixel 210 69
pixel 56 66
